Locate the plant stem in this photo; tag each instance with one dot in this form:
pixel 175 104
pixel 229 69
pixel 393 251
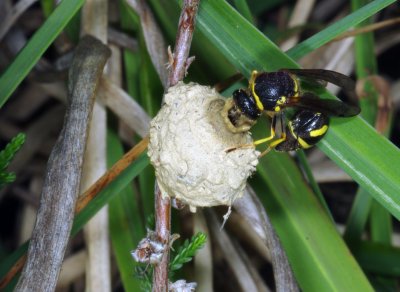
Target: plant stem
pixel 179 65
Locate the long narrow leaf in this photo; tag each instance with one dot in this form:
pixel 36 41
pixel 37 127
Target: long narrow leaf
pixel 36 46
pixel 109 192
pixel 126 226
pixel 365 155
pixel 337 28
pixel 313 246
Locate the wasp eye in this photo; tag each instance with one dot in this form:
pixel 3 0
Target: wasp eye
pixel 246 103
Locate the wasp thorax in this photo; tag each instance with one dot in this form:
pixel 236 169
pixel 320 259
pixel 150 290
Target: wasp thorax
pixel 270 87
pixel 188 143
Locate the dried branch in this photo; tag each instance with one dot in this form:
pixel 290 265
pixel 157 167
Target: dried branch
pixel 124 106
pixel 111 174
pixel 239 268
pixel 72 269
pixel 163 233
pixel 183 42
pixel 301 12
pixel 155 42
pixel 177 72
pixel 60 190
pixel 98 266
pixel 156 47
pixel 114 97
pixel 13 14
pixel 88 196
pixel 251 209
pixel 122 40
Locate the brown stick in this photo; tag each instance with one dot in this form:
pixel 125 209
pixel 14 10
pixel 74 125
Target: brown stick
pixel 61 186
pixel 111 174
pixel 177 72
pixel 251 209
pixel 88 196
pixel 367 28
pixel 154 40
pixel 183 41
pixel 163 231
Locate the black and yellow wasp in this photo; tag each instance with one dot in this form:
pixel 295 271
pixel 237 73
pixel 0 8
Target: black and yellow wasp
pixel 274 92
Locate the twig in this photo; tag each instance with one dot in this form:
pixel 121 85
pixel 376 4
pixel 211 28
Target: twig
pixel 72 269
pixel 301 12
pixel 163 232
pixel 124 106
pixel 177 72
pixel 111 95
pixel 13 15
pixel 178 67
pixel 180 61
pixel 235 261
pixel 111 174
pixel 88 196
pixel 154 40
pixel 98 265
pixel 122 40
pixel 251 209
pixel 367 28
pixel 60 190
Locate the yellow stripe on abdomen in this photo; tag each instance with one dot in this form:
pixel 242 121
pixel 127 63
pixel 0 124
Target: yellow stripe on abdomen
pixel 319 132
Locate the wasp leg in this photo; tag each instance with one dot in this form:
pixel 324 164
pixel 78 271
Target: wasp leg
pixel 251 145
pixel 282 137
pixel 261 141
pixel 272 136
pixel 255 143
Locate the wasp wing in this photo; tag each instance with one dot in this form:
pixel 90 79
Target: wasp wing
pixel 329 107
pixel 321 76
pixel 333 77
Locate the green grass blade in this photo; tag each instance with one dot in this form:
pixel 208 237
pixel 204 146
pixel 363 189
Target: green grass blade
pixel 337 28
pixel 37 45
pixel 357 218
pixel 381 224
pixel 242 44
pixel 109 192
pixel 365 155
pixel 379 259
pixel 143 86
pixel 151 91
pixel 258 7
pixel 126 226
pixel 312 182
pixel 314 248
pixel 366 65
pixel 369 158
pixel 243 8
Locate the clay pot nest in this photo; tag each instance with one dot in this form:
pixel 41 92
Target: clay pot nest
pixel 188 143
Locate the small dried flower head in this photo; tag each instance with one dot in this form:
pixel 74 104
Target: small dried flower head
pixel 149 250
pixel 182 286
